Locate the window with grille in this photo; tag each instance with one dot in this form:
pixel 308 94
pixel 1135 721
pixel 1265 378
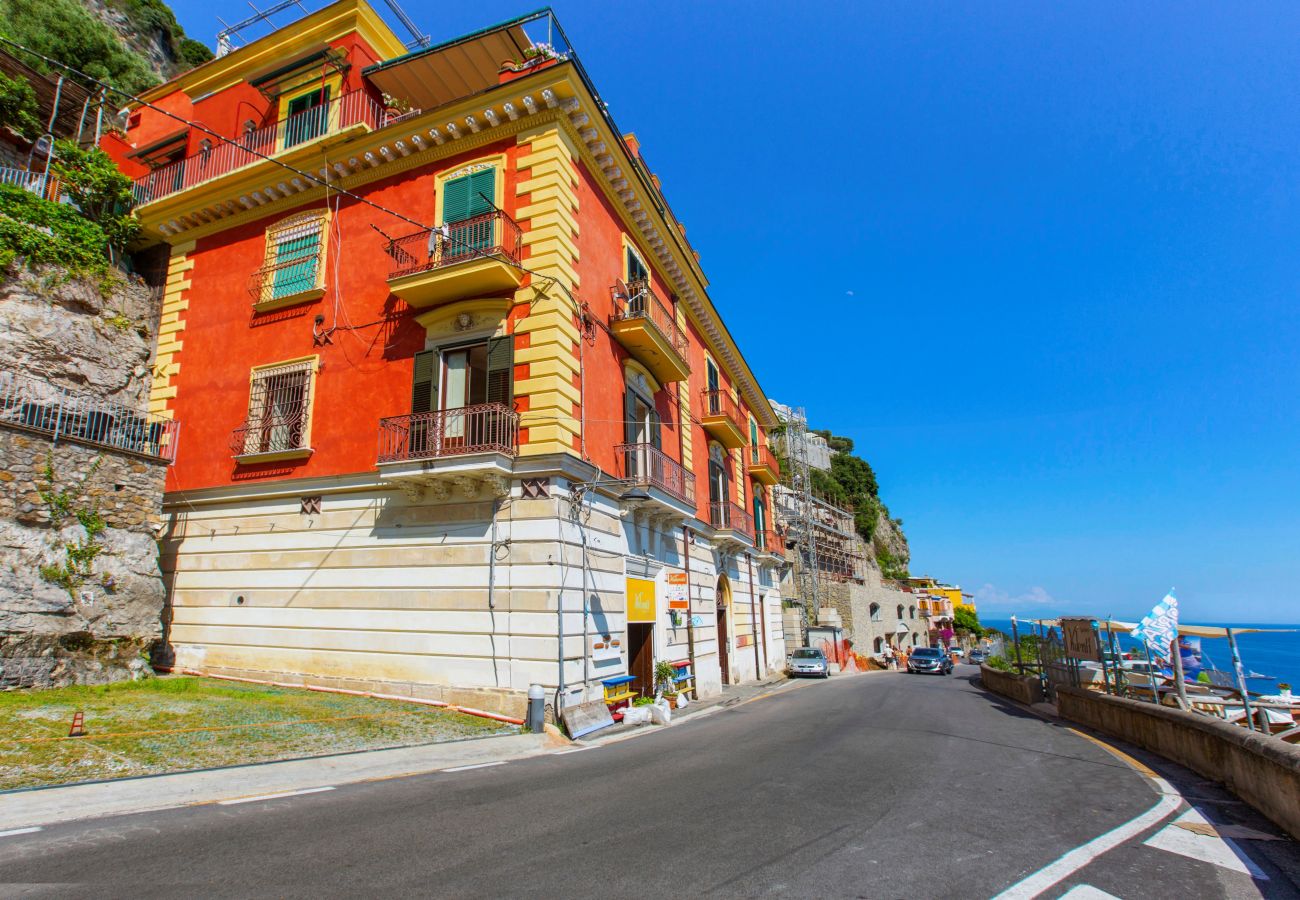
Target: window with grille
pixel 294 258
pixel 279 405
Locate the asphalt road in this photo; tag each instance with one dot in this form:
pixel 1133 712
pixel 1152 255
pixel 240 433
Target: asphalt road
pixel 885 785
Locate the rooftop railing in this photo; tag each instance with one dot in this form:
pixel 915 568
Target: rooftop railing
pixel 36 405
pixel 484 428
pixel 636 300
pixel 487 235
pixel 223 157
pixel 648 466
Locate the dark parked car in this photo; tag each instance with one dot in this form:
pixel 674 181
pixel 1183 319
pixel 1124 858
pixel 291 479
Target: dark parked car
pixel 929 661
pixel 809 661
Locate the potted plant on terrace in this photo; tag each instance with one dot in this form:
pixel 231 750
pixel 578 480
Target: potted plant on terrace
pixel 665 673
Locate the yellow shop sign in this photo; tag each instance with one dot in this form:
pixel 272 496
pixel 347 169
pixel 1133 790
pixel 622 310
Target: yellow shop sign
pixel 640 600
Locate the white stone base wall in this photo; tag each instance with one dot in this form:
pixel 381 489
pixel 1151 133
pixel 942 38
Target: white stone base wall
pixel 380 591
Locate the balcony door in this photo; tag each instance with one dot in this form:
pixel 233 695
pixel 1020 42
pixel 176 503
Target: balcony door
pixel 307 117
pixel 466 202
pixel 642 427
pixel 712 382
pixel 471 386
pixel 719 486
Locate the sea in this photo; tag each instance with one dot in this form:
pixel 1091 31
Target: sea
pixel 1276 654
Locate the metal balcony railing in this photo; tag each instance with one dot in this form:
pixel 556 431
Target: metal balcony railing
pixel 636 300
pixel 727 516
pixel 721 403
pixel 491 234
pixel 355 108
pixel 270 434
pixel 42 185
pixel 485 428
pixel 769 542
pixel 284 279
pixel 648 466
pixel 761 454
pixel 36 405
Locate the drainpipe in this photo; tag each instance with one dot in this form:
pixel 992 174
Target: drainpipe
pixel 753 615
pixel 690 608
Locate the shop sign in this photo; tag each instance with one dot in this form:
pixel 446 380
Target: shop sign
pixel 640 600
pixel 676 591
pixel 1080 638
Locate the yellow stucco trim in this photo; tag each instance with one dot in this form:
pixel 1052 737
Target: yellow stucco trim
pixel 175 302
pixel 547 155
pixel 496 161
pixel 650 380
pixel 445 321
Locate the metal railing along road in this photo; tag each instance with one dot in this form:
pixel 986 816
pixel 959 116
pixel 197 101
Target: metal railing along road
pixel 648 466
pixel 721 403
pixel 490 234
pixel 485 428
pixel 36 405
pixel 636 300
pixel 355 108
pixel 728 516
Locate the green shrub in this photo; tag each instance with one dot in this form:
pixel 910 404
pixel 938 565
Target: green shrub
pixel 45 233
pixel 18 107
pixel 99 190
pixel 65 30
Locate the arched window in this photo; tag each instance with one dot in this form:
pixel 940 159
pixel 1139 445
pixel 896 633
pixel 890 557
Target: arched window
pixel 900 610
pixel 911 612
pixel 916 639
pixel 875 612
pixel 879 644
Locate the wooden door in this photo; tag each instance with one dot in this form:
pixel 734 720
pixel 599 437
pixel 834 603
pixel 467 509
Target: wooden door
pixel 723 658
pixel 641 656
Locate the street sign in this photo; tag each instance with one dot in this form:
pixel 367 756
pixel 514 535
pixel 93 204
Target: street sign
pixel 1080 638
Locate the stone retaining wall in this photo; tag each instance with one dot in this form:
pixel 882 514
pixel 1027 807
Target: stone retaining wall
pixel 1021 688
pixel 1263 771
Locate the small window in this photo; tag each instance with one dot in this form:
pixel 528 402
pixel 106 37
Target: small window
pixel 875 612
pixel 279 407
pixel 900 610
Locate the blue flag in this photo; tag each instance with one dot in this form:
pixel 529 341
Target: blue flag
pixel 1159 627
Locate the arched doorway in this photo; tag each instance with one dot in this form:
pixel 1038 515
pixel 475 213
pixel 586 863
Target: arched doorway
pixel 723 596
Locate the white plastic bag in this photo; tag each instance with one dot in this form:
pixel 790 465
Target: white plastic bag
pixel 660 713
pixel 636 715
pixel 682 702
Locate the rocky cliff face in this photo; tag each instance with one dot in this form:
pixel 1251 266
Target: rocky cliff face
pixel 63 621
pixel 889 545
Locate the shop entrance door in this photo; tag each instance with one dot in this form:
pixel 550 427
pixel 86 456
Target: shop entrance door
pixel 723 654
pixel 641 656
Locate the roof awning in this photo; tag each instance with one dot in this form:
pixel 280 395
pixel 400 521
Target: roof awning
pixel 459 68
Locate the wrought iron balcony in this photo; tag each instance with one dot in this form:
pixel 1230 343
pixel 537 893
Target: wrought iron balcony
pixel 286 283
pixel 457 260
pixel 727 516
pixel 352 109
pixel 271 436
pixel 768 541
pixel 722 419
pixel 647 466
pixel 763 466
pixel 36 405
pixel 643 324
pixel 468 430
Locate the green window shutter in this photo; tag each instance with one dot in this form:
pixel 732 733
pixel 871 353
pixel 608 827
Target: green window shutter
pixel 500 370
pixel 455 199
pixel 424 384
pixel 295 261
pixel 656 439
pixel 629 417
pixel 463 198
pixel 711 374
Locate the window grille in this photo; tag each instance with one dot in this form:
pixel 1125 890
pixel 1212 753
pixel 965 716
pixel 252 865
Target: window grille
pixel 279 405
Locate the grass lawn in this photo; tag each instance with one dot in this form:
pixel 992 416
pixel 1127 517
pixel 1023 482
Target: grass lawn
pixel 274 723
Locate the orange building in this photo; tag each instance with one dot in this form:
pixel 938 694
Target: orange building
pixel 451 386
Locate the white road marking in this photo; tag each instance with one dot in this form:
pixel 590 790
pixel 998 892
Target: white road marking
pixel 1082 855
pixel 500 762
pixel 1087 892
pixel 277 796
pixel 1207 848
pixel 13 832
pixel 564 752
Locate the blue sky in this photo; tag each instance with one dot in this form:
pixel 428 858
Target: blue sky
pixel 1038 261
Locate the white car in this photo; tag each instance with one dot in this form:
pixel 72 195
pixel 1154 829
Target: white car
pixel 808 661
